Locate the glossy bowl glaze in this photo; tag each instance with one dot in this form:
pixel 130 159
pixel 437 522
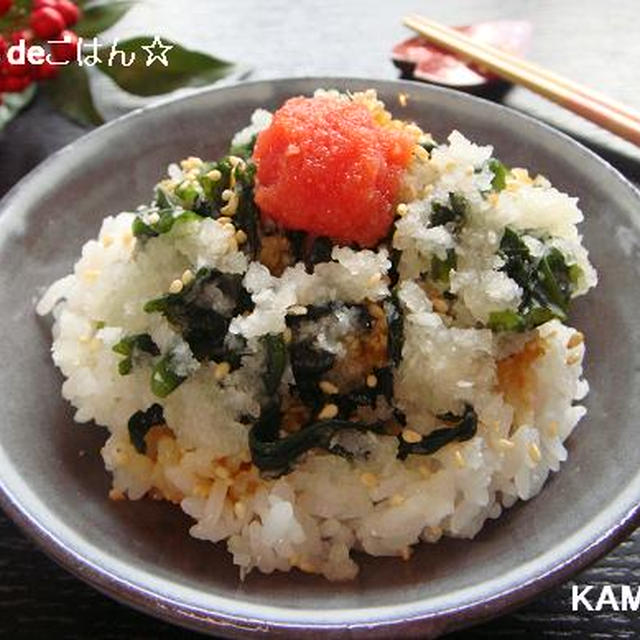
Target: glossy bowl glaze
pixel 52 481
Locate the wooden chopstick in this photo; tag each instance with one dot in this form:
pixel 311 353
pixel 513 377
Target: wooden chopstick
pixel 586 102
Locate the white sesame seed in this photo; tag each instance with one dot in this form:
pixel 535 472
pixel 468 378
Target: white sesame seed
pixel 372 381
pixel 227 194
pixel 187 277
pixel 328 387
pixel 241 237
pixel 224 220
pixel 410 436
pixel 214 175
pixel 328 412
pixel 153 218
pixel 573 359
pixel 176 286
pixel 402 209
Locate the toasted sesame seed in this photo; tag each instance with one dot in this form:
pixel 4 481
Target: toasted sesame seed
pixel 573 359
pixel 190 163
pixel 224 220
pixel 187 277
pixel 240 509
pixel 534 452
pixel 576 339
pixel 214 175
pixel 306 566
pixel 397 499
pixel 328 387
pixel 372 381
pixel 127 238
pixel 229 228
pixel 440 305
pixel 460 461
pixel 116 495
pixel 176 286
pixel 374 279
pixel 410 436
pixel 328 412
pixel 222 472
pixel 402 209
pixel 231 207
pixel 232 244
pixel 506 444
pixel 369 479
pixel 241 237
pixel 297 310
pixel 221 370
pixel 227 194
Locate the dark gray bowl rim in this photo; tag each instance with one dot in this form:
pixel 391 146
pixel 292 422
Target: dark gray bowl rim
pixel 288 622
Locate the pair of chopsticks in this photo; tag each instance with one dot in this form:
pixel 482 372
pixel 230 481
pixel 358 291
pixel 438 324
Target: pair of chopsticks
pixel 592 105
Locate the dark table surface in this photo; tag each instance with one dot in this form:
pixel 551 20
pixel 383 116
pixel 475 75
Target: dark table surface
pixel 594 41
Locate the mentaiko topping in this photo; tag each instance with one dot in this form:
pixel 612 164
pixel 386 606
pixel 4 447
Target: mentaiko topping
pixel 325 166
pixel 300 394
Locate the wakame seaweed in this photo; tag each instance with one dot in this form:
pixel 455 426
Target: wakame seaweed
pixel 453 213
pixel 464 428
pixel 128 346
pixel 202 327
pixel 547 284
pixel 276 361
pixel 272 454
pixel 140 423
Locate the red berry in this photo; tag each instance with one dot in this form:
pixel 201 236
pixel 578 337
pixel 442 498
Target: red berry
pixel 45 71
pixel 46 22
pixel 21 34
pixel 12 84
pixel 69 11
pixel 67 50
pixel 15 70
pixel 5 5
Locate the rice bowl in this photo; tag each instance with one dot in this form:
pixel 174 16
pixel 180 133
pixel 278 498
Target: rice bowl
pixel 476 356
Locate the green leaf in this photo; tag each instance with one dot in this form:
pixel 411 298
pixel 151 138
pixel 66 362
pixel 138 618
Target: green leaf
pixel 164 379
pixel 499 181
pixel 506 320
pixel 99 17
pixel 13 103
pixel 185 68
pixel 70 93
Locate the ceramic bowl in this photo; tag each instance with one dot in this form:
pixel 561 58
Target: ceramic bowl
pixel 52 481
